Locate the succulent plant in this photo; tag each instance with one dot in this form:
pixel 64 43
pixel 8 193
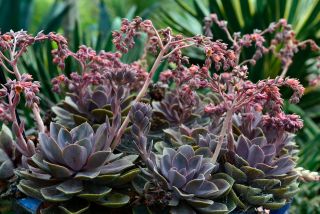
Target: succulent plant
pixel 183 174
pixel 77 164
pixel 186 174
pixel 92 107
pixel 262 170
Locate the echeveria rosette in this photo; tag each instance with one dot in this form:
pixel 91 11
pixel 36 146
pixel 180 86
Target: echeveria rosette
pixel 187 174
pixel 262 175
pixel 77 164
pixel 93 104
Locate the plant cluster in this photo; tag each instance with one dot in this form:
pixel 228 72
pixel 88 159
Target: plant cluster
pixel 205 139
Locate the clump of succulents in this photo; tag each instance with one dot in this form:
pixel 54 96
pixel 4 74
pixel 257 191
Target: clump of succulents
pixel 184 174
pixel 77 163
pixel 228 149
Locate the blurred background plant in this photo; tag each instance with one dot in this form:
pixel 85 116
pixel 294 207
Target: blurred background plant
pixel 91 22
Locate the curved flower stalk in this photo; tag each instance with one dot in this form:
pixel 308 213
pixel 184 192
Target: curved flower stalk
pixel 185 175
pixel 77 164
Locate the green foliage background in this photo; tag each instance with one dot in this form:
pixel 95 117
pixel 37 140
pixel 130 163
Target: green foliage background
pixel 93 21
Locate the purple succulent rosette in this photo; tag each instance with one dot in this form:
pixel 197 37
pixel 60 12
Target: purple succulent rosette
pixel 77 164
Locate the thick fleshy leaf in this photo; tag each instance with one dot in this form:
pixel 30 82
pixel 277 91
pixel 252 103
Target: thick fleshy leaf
pixel 76 206
pixel 165 165
pixel 94 192
pixel 259 199
pixel 186 151
pixel 259 141
pixel 100 97
pixel 64 138
pixel 252 173
pixel 206 169
pixel 274 205
pixel 246 191
pixel 70 187
pixel 54 130
pixel 118 165
pixel 243 147
pixel 86 143
pixel 96 160
pixel 126 177
pixel 195 162
pixel 265 183
pixel 82 131
pixel 87 175
pixel 58 171
pixel 199 202
pixel 176 179
pixel 75 156
pixel 284 165
pixel 201 188
pixel 114 200
pixel 169 151
pixel 30 188
pixel 255 156
pixel 182 194
pixel 235 173
pixel 45 142
pixel 179 161
pixel 54 195
pixel 215 208
pixel 101 137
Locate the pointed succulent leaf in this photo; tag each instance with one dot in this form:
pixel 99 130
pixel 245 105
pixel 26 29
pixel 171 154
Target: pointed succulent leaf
pixel 94 192
pixel 78 119
pixel 75 207
pixel 215 208
pixel 256 155
pixel 175 178
pixel 126 177
pixel 243 147
pixel 58 171
pixel 96 160
pixel 29 188
pixel 259 199
pixel 179 161
pixel 64 138
pixel 187 151
pixel 87 175
pixel 75 156
pixel 114 200
pixel 252 173
pixel 182 194
pixel 82 131
pixel 52 194
pixel 199 202
pixel 119 165
pixel 70 187
pixel 201 187
pixel 54 130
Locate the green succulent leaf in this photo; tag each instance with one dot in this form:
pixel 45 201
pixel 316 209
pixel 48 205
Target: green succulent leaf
pixel 215 208
pixel 75 207
pixel 70 187
pixel 54 195
pixel 94 192
pixel 114 200
pixel 235 173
